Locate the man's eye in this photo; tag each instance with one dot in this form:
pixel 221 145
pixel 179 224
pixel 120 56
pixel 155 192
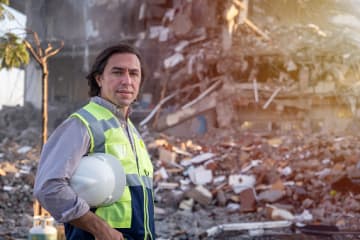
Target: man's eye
pixel 135 73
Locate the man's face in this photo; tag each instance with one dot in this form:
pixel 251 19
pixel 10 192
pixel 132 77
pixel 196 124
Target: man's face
pixel 120 80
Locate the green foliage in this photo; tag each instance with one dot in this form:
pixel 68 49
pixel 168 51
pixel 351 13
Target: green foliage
pixel 2 10
pixel 12 51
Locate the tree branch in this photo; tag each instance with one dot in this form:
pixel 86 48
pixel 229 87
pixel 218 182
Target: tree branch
pixel 38 44
pixel 53 52
pixel 32 51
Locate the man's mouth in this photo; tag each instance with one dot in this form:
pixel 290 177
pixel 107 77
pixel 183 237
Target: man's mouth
pixel 124 92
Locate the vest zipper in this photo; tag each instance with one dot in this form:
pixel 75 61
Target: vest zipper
pixel 132 144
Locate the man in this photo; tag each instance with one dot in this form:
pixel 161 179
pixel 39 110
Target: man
pixel 101 126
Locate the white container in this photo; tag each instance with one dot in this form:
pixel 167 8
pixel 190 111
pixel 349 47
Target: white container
pixel 43 229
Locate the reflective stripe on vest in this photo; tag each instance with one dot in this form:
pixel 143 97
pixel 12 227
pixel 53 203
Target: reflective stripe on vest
pixel 98 128
pixel 132 180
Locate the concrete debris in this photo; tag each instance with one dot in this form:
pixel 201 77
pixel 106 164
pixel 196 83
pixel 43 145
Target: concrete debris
pixel 187 205
pixel 282 180
pixel 173 60
pixel 200 194
pixel 311 85
pixel 202 158
pixel 247 226
pixel 276 213
pixel 17 169
pixel 241 182
pixel 166 155
pixel 270 196
pixel 219 183
pixel 200 175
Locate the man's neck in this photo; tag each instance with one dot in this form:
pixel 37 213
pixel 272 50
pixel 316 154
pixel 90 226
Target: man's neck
pixel 122 112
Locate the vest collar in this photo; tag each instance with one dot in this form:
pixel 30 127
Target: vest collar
pixel 112 107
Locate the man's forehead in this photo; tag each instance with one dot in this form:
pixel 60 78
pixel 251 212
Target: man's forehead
pixel 117 67
pixel 124 60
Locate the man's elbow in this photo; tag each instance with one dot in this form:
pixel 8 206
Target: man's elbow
pixel 46 201
pixel 40 196
pixel 45 194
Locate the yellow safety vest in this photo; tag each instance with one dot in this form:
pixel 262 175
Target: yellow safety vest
pixel 133 213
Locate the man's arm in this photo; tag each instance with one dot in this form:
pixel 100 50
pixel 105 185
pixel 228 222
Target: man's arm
pixel 59 159
pixel 97 227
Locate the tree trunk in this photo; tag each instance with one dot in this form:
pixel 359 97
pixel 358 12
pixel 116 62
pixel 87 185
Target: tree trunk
pixel 44 106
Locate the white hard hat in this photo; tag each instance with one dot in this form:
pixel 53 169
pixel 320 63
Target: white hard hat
pixel 99 179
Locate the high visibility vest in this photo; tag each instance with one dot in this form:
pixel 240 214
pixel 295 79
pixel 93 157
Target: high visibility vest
pixel 133 213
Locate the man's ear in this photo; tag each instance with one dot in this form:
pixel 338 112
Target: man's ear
pixel 98 79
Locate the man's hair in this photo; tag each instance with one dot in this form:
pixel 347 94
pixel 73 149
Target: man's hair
pixel 101 61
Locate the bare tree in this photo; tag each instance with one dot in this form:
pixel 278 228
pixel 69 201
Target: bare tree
pixel 42 56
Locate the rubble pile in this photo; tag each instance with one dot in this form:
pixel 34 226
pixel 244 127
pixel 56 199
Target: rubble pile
pixel 20 138
pixel 230 177
pixel 224 176
pixel 20 124
pixel 214 57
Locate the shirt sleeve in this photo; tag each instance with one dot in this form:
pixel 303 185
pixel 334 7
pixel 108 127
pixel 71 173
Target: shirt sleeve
pixel 59 159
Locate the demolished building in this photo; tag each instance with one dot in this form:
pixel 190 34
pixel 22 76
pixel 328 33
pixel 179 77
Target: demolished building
pixel 294 60
pixel 277 65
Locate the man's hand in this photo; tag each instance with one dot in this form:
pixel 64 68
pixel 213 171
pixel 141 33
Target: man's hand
pixel 111 234
pixel 97 227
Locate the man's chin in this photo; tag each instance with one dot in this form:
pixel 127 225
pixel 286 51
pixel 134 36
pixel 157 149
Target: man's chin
pixel 124 103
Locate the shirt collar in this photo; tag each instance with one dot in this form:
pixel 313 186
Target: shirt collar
pixel 112 107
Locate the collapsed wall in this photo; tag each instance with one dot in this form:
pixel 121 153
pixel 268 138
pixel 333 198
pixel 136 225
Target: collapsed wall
pixel 282 66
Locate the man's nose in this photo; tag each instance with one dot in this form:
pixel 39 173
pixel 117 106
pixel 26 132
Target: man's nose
pixel 126 78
